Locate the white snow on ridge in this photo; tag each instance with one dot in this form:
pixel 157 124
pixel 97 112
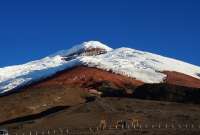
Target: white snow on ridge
pixel 17 76
pixel 143 66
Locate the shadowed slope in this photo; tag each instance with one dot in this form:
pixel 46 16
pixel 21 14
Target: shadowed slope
pixel 168 92
pixel 35 116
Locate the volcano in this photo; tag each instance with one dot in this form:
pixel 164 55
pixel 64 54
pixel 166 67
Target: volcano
pixel 89 73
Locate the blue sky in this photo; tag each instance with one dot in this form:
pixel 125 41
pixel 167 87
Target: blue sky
pixel 30 30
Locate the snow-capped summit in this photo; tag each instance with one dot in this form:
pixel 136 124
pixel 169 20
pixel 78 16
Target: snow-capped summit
pixel 84 47
pixel 143 66
pixel 13 77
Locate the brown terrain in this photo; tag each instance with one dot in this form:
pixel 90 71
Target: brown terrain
pixel 87 77
pixel 86 118
pixel 182 79
pixel 65 101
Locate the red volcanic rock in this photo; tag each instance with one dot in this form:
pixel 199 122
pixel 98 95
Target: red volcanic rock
pixel 181 79
pixel 85 77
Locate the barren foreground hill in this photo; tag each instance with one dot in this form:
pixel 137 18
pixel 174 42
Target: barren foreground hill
pixel 87 118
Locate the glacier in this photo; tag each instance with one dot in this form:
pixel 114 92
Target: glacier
pixel 140 65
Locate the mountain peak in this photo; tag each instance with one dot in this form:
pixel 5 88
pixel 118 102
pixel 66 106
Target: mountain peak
pixel 94 44
pixel 83 47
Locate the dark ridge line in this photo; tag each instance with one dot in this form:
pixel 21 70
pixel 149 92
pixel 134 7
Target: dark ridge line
pixel 35 116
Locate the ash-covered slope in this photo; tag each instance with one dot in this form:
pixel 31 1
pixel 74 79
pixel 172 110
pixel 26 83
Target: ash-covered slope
pixel 142 66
